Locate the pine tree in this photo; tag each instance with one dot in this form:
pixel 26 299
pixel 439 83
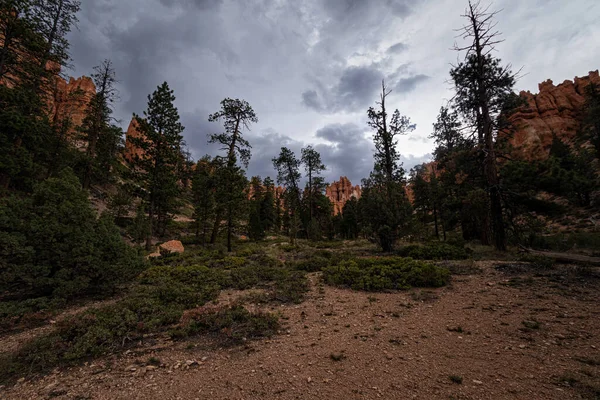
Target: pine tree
pixel 204 187
pixel 385 196
pixel 447 135
pixel 313 166
pixel 101 137
pixel 256 228
pixel 350 219
pixel 160 141
pixel 268 212
pixel 236 114
pixel 25 132
pixel 54 20
pixel 288 175
pixel 20 41
pixel 591 119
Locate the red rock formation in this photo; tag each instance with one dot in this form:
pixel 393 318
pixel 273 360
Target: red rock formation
pixel 70 100
pixel 340 192
pixel 554 110
pixel 131 150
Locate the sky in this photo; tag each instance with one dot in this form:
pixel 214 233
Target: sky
pixel 312 68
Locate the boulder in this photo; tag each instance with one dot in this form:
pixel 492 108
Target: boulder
pixel 173 246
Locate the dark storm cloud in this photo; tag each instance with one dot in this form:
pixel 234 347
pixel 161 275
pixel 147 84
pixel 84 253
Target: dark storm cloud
pixel 357 87
pixel 310 99
pixel 265 147
pixel 197 129
pixel 409 84
pixel 397 48
pixel 348 153
pixel 289 59
pixel 199 4
pixel 341 10
pixel 145 48
pixel 355 90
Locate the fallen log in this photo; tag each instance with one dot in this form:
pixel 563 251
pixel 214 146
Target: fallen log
pixel 564 257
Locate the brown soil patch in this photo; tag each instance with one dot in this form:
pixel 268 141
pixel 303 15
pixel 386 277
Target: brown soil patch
pixel 507 332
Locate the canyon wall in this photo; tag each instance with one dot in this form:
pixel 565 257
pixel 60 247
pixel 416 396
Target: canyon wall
pixel 555 110
pixel 70 99
pixel 340 192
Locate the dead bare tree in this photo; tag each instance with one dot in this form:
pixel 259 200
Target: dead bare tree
pixel 482 87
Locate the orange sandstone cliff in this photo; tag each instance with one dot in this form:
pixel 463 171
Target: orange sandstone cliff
pixel 554 110
pixel 340 192
pixel 70 99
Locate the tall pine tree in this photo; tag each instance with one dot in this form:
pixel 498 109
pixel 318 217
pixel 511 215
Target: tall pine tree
pixel 160 141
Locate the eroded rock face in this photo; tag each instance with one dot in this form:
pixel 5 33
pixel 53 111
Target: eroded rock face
pixel 131 150
pixel 340 192
pixel 554 110
pixel 70 99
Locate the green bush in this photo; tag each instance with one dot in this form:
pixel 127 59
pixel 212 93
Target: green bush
pixel 290 287
pixel 312 264
pixel 390 273
pixel 228 262
pixel 29 312
pixel 434 251
pixel 153 306
pixel 53 245
pixel 564 242
pixel 235 322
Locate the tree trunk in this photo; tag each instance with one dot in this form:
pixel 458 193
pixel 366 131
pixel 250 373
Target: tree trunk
pixel 229 228
pixel 150 226
pixel 435 221
pixel 216 225
pixel 491 171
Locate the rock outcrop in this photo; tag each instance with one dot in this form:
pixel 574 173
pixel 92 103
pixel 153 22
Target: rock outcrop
pixel 555 110
pixel 131 150
pixel 70 99
pixel 340 192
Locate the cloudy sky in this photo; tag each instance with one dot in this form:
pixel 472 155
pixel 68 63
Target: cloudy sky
pixel 311 68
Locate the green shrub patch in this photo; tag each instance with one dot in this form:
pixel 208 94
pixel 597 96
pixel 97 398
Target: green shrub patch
pixel 390 273
pixel 233 323
pixel 434 251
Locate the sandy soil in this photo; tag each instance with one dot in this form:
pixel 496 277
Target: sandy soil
pixel 508 333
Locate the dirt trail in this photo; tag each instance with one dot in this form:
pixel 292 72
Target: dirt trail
pixel 506 333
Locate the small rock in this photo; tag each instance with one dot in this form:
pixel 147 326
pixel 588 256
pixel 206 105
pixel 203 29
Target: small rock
pixel 150 368
pixel 477 382
pixel 131 368
pixel 309 380
pixel 522 346
pixel 204 358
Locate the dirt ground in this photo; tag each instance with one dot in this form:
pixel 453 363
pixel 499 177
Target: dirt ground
pixel 499 331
